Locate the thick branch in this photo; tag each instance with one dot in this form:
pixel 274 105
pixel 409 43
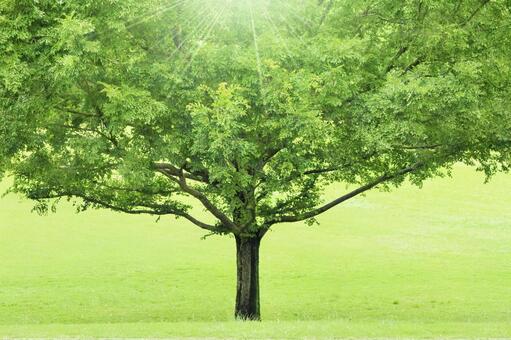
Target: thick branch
pixel 197 222
pixel 399 53
pixel 412 65
pixel 268 157
pixel 174 171
pixel 151 209
pixel 322 171
pixel 328 206
pixel 180 179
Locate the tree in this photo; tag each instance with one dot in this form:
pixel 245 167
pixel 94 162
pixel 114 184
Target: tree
pixel 250 108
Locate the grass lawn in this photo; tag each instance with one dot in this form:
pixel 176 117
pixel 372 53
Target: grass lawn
pixel 412 263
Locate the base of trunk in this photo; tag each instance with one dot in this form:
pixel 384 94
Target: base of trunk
pixel 247 289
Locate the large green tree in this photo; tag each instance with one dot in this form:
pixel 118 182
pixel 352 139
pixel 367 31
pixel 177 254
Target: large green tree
pixel 250 107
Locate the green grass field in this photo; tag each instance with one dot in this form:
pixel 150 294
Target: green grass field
pixel 414 263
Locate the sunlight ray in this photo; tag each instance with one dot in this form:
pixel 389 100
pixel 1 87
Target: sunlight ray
pixel 143 18
pixel 256 47
pixel 203 38
pixel 202 25
pixel 276 30
pixel 148 16
pixel 292 30
pixel 292 11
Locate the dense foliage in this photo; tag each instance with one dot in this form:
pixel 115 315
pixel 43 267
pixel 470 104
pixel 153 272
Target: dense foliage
pixel 249 107
pixel 257 104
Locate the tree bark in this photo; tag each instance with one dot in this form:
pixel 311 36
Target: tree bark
pixel 247 288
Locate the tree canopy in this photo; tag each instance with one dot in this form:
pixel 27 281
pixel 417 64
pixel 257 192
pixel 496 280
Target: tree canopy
pixel 249 108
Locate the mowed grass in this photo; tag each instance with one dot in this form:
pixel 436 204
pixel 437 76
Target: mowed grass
pixel 415 263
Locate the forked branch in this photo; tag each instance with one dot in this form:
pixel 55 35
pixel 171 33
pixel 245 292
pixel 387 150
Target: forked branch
pixel 180 179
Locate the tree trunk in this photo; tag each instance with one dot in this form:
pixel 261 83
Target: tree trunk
pixel 247 289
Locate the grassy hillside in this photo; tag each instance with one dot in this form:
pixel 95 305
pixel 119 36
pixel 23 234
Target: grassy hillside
pixel 416 262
